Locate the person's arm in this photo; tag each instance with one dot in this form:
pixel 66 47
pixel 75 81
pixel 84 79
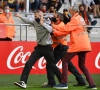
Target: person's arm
pixel 72 25
pixel 57 33
pixel 60 31
pixel 13 30
pixel 57 1
pixel 25 19
pixel 48 27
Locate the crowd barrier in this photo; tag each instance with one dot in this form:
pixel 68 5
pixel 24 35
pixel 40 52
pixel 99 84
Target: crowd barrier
pixel 13 56
pixel 26 25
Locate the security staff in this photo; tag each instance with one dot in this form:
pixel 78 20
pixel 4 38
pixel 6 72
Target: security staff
pixel 60 48
pixel 80 45
pixel 6 17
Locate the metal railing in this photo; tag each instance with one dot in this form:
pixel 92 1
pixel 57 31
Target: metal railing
pixel 20 25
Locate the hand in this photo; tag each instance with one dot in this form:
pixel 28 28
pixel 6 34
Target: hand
pixel 14 36
pixel 53 30
pixel 52 25
pixel 67 16
pixel 41 22
pixel 90 23
pixel 17 15
pixel 56 4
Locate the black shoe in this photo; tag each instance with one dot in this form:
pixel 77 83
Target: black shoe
pixel 20 84
pixel 91 87
pixel 95 17
pixel 98 16
pixel 80 84
pixel 47 86
pixel 61 86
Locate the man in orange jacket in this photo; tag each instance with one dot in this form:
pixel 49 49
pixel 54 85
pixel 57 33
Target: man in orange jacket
pixel 6 18
pixel 60 47
pixel 80 45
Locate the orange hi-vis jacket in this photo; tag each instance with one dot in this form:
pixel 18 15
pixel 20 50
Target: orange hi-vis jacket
pixel 79 40
pixel 61 39
pixel 10 30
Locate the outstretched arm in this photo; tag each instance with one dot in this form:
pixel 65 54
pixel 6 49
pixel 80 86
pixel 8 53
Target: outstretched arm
pixel 24 19
pixel 66 29
pixel 72 25
pixel 60 33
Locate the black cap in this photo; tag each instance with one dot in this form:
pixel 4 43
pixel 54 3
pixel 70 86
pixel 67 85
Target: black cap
pixel 65 9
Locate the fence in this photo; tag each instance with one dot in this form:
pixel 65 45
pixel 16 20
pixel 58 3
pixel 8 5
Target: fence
pixel 26 25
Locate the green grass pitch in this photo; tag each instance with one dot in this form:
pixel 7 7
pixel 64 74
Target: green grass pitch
pixel 35 82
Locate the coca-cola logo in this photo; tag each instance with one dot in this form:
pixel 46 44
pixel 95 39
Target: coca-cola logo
pixel 20 57
pixel 97 61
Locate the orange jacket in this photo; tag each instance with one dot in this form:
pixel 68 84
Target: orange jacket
pixel 79 40
pixel 10 30
pixel 57 40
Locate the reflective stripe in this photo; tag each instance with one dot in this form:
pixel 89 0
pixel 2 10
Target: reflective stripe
pixel 82 33
pixel 65 39
pixel 84 27
pixel 56 42
pixel 59 37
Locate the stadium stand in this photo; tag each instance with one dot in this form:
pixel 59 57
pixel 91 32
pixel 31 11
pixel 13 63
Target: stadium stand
pixel 94 35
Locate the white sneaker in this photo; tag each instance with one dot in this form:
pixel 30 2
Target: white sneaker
pixel 20 84
pixel 45 83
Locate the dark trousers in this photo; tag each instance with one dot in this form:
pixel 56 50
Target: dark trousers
pixel 59 53
pixel 14 5
pixel 5 39
pixel 51 3
pixel 81 64
pixel 34 5
pixel 93 23
pixel 47 52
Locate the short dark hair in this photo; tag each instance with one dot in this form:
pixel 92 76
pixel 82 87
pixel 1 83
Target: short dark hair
pixel 60 15
pixel 65 9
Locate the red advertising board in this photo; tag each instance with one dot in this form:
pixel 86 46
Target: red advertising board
pixel 2 30
pixel 13 56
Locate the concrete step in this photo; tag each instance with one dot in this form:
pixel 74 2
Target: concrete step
pixel 31 34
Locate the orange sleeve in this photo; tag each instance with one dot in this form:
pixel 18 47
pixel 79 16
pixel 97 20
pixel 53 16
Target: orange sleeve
pixel 72 25
pixel 14 29
pixel 66 29
pixel 12 22
pixel 57 27
pixel 60 33
pixel 1 20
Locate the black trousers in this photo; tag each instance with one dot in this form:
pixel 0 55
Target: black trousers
pixel 5 39
pixel 52 3
pixel 47 52
pixel 93 23
pixel 59 53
